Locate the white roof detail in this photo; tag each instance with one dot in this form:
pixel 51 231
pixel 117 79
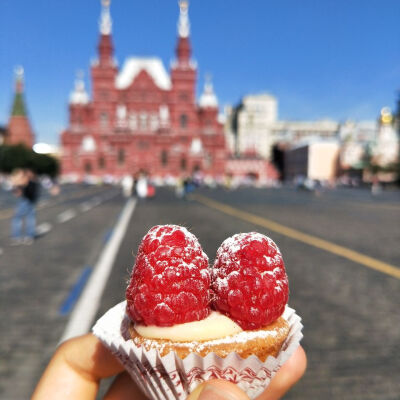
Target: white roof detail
pixel 88 144
pixel 152 65
pixel 79 94
pixel 208 98
pixel 164 112
pixel 196 146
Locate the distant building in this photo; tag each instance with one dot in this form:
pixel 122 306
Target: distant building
pixel 141 118
pixel 386 150
pixel 19 130
pixel 357 140
pixel 315 159
pixel 252 121
pixel 293 132
pixel 397 116
pixel 253 127
pixel 48 149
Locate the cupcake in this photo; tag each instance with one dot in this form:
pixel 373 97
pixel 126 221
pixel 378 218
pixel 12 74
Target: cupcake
pixel 184 322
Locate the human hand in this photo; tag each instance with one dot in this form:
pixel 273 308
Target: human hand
pixel 78 365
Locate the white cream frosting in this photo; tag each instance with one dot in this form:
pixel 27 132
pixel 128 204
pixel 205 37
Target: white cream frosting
pixel 215 326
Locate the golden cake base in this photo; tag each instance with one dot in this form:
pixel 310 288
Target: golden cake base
pixel 262 343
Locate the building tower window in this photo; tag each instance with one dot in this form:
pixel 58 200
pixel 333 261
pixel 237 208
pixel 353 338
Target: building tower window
pixel 121 156
pixel 154 123
pixel 133 123
pixel 103 119
pixel 102 163
pixel 183 120
pixel 88 167
pixel 164 158
pixel 143 121
pixel 183 96
pixel 183 164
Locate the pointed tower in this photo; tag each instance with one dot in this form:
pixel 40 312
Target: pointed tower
pixel 79 105
pixel 79 94
pixel 105 47
pixel 104 71
pixel 183 76
pixel 183 48
pixel 208 104
pixel 19 127
pixel 208 99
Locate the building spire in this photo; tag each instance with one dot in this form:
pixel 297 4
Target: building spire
pixel 105 47
pixel 183 48
pixel 183 22
pixel 105 18
pixel 19 79
pixel 18 108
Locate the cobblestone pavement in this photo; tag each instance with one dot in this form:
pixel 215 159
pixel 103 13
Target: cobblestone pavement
pixel 350 312
pixel 36 280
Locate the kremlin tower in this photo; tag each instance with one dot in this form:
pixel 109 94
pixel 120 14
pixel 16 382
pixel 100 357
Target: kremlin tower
pixel 19 129
pixel 142 118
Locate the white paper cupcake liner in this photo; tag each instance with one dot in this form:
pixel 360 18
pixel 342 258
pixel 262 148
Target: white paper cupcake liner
pixel 170 378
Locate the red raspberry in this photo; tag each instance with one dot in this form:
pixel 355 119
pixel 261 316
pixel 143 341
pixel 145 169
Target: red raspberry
pixel 170 282
pixel 249 280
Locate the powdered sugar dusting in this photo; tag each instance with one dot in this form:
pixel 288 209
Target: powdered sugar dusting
pixel 242 337
pixel 170 279
pixel 249 280
pixel 229 250
pixel 192 243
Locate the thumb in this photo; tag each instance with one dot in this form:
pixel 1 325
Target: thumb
pixel 217 390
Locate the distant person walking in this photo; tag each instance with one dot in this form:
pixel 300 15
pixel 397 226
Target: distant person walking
pixel 127 185
pixel 26 188
pixel 141 186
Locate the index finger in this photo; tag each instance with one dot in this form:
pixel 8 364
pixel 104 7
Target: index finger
pixel 289 374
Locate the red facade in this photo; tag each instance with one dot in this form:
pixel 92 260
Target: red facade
pixel 141 118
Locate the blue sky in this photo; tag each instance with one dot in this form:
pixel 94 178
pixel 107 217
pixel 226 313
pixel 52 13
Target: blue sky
pixel 334 59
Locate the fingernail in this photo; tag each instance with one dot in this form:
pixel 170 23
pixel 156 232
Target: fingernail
pixel 196 392
pixel 210 392
pixel 217 390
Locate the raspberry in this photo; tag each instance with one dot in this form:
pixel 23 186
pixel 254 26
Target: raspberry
pixel 170 281
pixel 249 280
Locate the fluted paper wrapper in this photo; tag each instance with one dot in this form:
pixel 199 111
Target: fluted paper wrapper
pixel 170 378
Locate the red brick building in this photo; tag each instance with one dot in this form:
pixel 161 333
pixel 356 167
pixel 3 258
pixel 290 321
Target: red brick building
pixel 19 130
pixel 141 118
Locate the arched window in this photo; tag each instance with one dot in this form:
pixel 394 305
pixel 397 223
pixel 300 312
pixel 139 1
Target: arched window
pixel 164 158
pixel 103 119
pixel 183 120
pixel 143 121
pixel 183 164
pixel 133 122
pixel 154 123
pixel 183 96
pixel 121 156
pixel 102 163
pixel 88 167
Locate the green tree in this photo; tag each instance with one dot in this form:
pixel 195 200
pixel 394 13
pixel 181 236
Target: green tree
pixel 20 156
